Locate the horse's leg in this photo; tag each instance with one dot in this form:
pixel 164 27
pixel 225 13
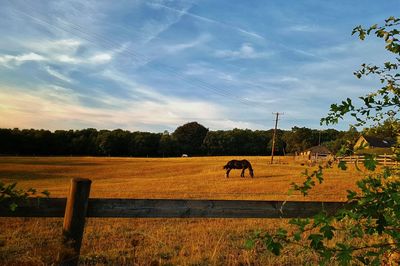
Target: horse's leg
pixel 242 174
pixel 227 172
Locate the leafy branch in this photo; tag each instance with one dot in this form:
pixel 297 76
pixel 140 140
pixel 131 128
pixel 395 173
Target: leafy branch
pixel 367 229
pixel 13 195
pixel 384 102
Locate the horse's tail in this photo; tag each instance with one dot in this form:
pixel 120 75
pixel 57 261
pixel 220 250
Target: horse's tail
pixel 225 166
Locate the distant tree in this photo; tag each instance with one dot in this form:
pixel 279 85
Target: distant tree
pixel 7 142
pixel 144 144
pixel 168 146
pixel 189 138
pixel 84 142
pixel 367 230
pixel 280 144
pixel 215 142
pixel 344 143
pixel 62 140
pixel 104 142
pixel 388 130
pixel 299 139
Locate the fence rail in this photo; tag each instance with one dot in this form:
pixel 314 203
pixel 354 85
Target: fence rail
pixel 78 206
pixel 382 159
pixel 173 208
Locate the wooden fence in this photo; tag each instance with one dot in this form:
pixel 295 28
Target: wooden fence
pixel 385 159
pixel 78 206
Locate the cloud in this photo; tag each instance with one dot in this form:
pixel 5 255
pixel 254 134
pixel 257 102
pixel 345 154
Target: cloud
pixel 183 46
pixel 304 28
pixel 209 20
pixel 55 107
pixel 57 74
pixel 208 72
pixel 95 59
pixel 246 51
pixel 100 58
pixel 57 56
pixel 49 46
pixel 8 60
pixel 152 28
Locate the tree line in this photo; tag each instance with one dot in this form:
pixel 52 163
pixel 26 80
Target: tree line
pixel 192 138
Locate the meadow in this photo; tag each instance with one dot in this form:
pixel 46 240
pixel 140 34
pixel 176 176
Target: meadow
pixel 34 241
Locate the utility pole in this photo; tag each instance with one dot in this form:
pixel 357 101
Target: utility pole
pixel 274 136
pixel 319 138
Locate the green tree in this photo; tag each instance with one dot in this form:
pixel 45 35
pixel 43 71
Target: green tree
pixel 299 139
pixel 371 220
pixel 144 144
pixel 215 143
pixel 189 137
pixel 387 130
pixel 168 146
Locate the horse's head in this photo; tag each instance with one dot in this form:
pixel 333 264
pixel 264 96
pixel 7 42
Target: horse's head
pixel 251 172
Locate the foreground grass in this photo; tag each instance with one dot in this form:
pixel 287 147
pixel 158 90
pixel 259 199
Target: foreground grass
pixel 35 241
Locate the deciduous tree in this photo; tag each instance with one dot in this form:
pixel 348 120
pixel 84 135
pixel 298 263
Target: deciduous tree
pixel 367 231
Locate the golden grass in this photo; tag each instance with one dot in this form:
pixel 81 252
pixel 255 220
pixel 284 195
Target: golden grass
pixel 34 241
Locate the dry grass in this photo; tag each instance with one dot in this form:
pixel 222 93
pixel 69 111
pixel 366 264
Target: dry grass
pixel 158 241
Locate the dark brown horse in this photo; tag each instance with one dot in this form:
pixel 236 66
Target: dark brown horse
pixel 236 164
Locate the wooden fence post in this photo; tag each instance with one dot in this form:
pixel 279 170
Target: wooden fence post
pixel 74 221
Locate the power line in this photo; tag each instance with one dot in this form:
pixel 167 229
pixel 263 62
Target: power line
pixel 93 37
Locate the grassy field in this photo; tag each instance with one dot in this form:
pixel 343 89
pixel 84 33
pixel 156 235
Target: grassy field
pixel 34 241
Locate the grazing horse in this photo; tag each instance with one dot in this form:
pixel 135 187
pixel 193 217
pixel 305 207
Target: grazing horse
pixel 236 164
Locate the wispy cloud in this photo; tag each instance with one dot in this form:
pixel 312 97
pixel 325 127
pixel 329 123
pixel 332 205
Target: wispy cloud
pixel 56 56
pixel 304 28
pixel 152 28
pixel 158 64
pixel 57 74
pixel 55 107
pixel 187 45
pixel 246 51
pixel 209 20
pixel 9 60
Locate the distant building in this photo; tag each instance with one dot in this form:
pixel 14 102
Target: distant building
pixel 316 151
pixel 365 142
pixel 314 154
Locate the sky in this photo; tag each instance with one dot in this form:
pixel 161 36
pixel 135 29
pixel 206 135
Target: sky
pixel 156 65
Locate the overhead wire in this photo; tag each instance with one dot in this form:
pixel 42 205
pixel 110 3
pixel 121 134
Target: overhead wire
pixel 159 67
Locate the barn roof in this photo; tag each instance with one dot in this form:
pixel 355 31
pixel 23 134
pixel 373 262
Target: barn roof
pixel 378 143
pixel 319 149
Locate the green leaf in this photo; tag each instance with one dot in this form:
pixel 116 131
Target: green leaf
pixel 275 248
pixel 32 191
pixel 13 206
pixel 46 193
pixel 316 241
pixel 281 233
pixel 342 165
pixel 300 223
pixel 370 162
pixel 345 254
pixel 249 244
pixel 351 195
pixel 297 236
pixel 327 231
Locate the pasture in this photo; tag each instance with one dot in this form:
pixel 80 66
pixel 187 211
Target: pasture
pixel 34 241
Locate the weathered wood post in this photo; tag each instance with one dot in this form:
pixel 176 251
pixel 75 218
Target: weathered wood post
pixel 74 221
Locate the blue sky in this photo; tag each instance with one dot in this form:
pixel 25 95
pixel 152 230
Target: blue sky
pixel 155 65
